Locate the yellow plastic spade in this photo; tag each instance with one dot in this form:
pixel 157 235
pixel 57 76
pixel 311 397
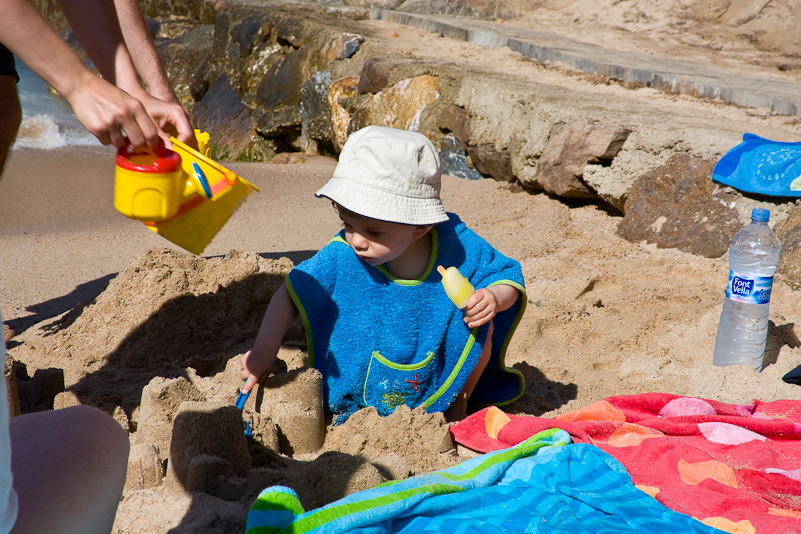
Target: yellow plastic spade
pixel 186 205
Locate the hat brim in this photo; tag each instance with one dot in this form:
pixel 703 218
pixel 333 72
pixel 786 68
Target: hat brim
pixel 376 204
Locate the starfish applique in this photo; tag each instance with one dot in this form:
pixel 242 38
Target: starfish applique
pixel 414 383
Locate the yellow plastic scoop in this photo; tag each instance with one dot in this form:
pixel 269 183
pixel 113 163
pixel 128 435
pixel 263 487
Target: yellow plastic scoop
pixel 458 289
pixel 187 205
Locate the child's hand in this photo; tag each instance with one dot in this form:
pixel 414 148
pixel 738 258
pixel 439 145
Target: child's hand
pixel 254 369
pixel 481 307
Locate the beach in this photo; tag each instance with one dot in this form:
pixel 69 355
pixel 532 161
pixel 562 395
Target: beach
pixel 605 316
pixel 120 312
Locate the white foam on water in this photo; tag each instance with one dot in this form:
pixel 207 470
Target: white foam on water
pixel 47 120
pixel 39 131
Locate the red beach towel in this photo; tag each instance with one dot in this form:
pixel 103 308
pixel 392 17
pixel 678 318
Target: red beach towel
pixel 734 467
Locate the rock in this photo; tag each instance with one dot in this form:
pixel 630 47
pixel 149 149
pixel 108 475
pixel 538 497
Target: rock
pixel 160 401
pixel 315 114
pixel 789 233
pixel 206 429
pixel 454 160
pixel 278 94
pixel 341 95
pixel 294 402
pixel 569 149
pixel 399 106
pixel 185 60
pixel 222 114
pixel 375 75
pixel 145 468
pixel 492 162
pixel 203 12
pixel 456 120
pixel 342 46
pixel 678 206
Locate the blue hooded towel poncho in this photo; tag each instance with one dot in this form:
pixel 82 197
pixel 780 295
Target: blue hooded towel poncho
pixel 381 341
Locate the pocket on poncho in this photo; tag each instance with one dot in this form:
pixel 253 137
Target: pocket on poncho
pixel 389 384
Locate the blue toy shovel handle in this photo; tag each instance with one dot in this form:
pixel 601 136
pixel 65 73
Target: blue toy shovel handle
pixel 204 182
pixel 241 399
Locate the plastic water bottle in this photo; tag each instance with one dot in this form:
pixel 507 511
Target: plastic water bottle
pixel 743 328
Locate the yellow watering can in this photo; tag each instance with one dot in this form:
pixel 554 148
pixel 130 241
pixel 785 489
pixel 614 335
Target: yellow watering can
pixel 180 194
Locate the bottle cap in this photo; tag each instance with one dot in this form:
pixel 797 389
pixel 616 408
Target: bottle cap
pixel 760 215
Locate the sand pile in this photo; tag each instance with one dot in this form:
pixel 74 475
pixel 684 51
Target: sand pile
pixel 168 311
pixel 160 349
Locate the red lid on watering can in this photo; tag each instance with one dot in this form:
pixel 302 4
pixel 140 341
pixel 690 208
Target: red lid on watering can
pixel 162 161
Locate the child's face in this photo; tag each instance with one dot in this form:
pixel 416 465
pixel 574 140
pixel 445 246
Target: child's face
pixel 378 242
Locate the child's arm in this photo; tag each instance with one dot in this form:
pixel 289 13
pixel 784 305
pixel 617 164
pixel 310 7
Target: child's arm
pixel 487 302
pixel 258 362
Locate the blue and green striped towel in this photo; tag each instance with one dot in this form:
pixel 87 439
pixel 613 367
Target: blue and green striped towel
pixel 539 486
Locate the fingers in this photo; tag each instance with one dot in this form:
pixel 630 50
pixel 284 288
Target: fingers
pixel 249 383
pixel 249 377
pixel 480 308
pixel 171 118
pixel 112 115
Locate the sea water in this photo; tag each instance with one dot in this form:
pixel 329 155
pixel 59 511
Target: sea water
pixel 47 120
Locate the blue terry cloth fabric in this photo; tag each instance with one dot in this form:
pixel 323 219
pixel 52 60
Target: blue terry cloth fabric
pixel 380 341
pixel 543 485
pixel 759 165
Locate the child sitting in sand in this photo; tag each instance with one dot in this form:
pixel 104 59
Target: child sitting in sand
pixel 379 325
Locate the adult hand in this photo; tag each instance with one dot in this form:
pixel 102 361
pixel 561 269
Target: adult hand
pixel 171 118
pixel 111 114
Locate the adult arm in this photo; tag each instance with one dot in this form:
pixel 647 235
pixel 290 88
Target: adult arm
pixel 258 362
pixel 109 113
pixel 99 28
pixel 143 52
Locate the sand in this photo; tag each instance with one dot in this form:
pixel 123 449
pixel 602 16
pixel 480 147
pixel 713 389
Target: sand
pixel 605 316
pixel 114 306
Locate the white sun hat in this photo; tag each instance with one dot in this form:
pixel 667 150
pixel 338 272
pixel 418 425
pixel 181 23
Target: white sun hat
pixel 390 175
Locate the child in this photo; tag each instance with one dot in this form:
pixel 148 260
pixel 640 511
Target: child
pixel 379 325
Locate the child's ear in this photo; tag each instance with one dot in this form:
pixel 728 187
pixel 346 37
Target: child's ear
pixel 420 231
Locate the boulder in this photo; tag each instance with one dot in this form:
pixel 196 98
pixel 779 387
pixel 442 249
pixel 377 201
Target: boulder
pixel 185 60
pixel 222 114
pixel 278 94
pixel 342 46
pixel 399 106
pixel 375 75
pixel 455 119
pixel 678 206
pixel 342 96
pixel 570 148
pixel 789 233
pixel 315 114
pixel 492 162
pixel 455 161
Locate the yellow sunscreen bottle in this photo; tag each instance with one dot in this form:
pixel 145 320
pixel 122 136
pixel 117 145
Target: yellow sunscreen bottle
pixel 458 289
